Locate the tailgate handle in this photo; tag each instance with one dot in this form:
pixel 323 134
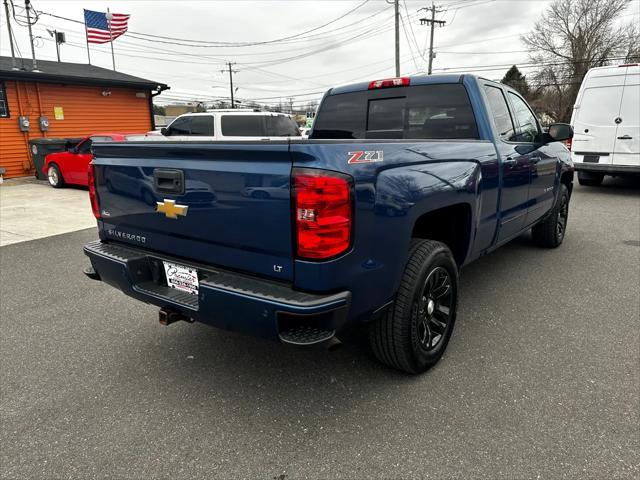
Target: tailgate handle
pixel 168 181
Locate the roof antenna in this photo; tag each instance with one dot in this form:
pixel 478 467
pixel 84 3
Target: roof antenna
pixel 14 66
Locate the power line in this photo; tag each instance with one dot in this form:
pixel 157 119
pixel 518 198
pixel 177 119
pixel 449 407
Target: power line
pixel 197 43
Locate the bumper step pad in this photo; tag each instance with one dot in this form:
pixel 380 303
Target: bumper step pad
pixel 306 335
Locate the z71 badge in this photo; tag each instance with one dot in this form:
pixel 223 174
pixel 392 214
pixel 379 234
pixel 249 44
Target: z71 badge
pixel 370 156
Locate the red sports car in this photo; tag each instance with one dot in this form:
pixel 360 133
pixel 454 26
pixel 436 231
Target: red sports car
pixel 71 166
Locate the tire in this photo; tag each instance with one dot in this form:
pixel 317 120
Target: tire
pixel 550 232
pixel 413 334
pixel 55 176
pixel 589 179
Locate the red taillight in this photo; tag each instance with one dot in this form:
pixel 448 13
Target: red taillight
pixel 92 191
pixel 323 209
pixel 629 65
pixel 389 82
pixel 569 143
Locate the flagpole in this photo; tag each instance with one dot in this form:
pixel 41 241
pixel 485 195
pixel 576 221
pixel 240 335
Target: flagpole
pixel 86 37
pixel 113 57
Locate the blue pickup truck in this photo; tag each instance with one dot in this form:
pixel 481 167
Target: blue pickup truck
pixel 367 224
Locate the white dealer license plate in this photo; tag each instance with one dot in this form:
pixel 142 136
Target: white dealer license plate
pixel 181 277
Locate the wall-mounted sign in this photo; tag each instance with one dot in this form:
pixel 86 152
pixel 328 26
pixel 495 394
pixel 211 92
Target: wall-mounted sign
pixel 58 113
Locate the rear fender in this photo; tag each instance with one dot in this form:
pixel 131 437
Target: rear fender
pixel 413 191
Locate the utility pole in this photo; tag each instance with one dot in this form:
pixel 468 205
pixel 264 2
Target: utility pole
pixel 432 22
pixel 397 16
pixel 14 66
pixel 291 105
pixel 27 5
pixel 231 72
pixel 396 6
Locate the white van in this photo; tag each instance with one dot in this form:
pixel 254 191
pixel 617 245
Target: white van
pixel 231 125
pixel 606 124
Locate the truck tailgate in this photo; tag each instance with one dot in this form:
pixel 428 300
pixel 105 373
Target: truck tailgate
pixel 237 195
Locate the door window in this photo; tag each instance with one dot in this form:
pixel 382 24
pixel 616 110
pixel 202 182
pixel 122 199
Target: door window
pixel 85 147
pixel 500 112
pixel 180 126
pixel 527 130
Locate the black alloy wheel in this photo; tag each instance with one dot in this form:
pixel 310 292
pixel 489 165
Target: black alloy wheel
pixel 433 312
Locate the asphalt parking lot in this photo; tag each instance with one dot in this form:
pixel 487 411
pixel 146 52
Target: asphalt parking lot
pixel 541 379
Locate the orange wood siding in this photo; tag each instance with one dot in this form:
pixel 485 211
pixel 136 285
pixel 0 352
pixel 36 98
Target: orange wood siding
pixel 86 111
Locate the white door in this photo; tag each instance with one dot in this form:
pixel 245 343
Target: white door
pixel 595 121
pixel 627 145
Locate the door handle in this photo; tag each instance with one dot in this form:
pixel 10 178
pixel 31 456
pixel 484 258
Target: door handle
pixel 625 137
pixel 535 159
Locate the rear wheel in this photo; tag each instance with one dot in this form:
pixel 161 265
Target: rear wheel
pixel 550 232
pixel 54 176
pixel 413 335
pixel 590 179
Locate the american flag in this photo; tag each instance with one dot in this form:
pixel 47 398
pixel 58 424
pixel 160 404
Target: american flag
pixel 98 23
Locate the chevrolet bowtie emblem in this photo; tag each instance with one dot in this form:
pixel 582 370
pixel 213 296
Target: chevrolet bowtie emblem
pixel 170 209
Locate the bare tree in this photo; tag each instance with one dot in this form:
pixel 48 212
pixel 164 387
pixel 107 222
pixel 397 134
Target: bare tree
pixel 571 37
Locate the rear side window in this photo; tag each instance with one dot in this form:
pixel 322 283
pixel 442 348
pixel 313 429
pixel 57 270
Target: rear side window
pixel 499 112
pixel 202 125
pixel 418 112
pixel 243 126
pixel 281 126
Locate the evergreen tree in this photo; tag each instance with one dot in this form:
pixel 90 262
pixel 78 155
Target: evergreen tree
pixel 517 81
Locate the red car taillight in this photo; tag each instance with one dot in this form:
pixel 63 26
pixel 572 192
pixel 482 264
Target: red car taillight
pixel 92 191
pixel 324 210
pixel 569 143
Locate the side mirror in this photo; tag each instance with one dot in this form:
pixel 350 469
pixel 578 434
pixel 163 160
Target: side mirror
pixel 73 149
pixel 164 131
pixel 560 131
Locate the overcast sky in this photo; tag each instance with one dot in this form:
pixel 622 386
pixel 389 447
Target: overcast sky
pixel 480 36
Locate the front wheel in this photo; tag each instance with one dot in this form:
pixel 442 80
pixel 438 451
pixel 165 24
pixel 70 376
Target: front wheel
pixel 54 176
pixel 551 231
pixel 413 335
